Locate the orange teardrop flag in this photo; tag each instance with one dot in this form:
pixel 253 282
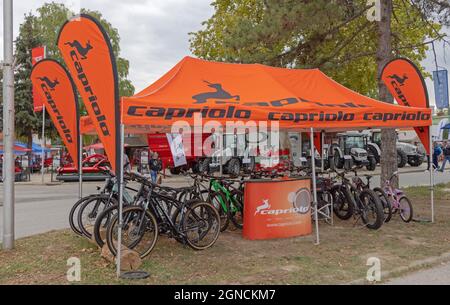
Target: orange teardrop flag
pixel 407 85
pixel 87 51
pixel 57 91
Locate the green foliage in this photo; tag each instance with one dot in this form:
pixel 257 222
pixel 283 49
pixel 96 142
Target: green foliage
pixel 334 36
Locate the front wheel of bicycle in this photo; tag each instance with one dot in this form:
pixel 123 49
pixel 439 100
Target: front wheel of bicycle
pixel 89 211
pixel 387 207
pixel 219 201
pixel 372 213
pixel 201 225
pixel 406 209
pixel 139 231
pixel 102 222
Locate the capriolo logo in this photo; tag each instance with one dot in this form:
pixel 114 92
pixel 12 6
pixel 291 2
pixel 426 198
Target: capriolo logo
pixel 49 83
pixel 300 200
pixel 219 94
pixel 83 51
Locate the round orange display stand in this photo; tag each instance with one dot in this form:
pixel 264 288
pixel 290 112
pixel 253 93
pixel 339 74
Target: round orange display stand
pixel 277 208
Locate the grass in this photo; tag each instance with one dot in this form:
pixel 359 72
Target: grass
pixel 340 258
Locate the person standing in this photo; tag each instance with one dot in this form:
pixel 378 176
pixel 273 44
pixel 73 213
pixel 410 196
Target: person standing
pixel 437 152
pixel 155 166
pixel 446 152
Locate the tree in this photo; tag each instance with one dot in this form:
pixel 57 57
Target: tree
pixel 334 36
pixel 26 121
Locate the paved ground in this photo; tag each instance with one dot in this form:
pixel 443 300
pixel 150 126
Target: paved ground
pixel 439 275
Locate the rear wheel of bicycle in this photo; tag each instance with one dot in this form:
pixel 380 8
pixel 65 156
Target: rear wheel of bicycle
pixel 102 222
pixel 387 207
pixel 406 209
pixel 89 211
pixel 372 213
pixel 139 231
pixel 74 213
pixel 219 201
pixel 236 208
pixel 342 207
pixel 201 225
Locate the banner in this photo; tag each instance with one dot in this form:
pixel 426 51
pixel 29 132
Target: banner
pixel 87 51
pixel 55 87
pixel 440 79
pixel 177 149
pixel 37 54
pixel 407 85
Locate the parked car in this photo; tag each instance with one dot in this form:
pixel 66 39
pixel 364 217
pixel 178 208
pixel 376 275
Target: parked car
pixel 95 168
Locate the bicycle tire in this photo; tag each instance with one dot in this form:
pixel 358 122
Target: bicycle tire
pixel 73 212
pixel 387 206
pixel 343 207
pixel 376 207
pixel 98 224
pixel 213 223
pixel 411 213
pixel 217 200
pixel 132 246
pixel 105 199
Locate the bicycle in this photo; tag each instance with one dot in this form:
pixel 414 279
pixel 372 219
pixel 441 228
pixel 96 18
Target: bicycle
pixel 194 223
pixel 399 201
pixel 362 204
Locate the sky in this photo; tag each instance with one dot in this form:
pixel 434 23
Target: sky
pixel 154 33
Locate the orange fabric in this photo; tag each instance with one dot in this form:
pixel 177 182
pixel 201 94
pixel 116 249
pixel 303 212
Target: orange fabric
pixel 56 89
pixel 87 51
pixel 297 99
pixel 406 84
pixel 37 54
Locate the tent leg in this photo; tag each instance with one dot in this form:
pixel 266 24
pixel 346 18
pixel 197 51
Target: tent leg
pixel 80 167
pixel 119 238
pixel 322 135
pixel 431 177
pixel 315 205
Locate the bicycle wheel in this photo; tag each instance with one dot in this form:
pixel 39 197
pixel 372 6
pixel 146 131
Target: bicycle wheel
pixel 74 211
pixel 219 201
pixel 342 206
pixel 89 211
pixel 236 208
pixel 201 225
pixel 406 209
pixel 139 231
pixel 102 222
pixel 387 207
pixel 372 213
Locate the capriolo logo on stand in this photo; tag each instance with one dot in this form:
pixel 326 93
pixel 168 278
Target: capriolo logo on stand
pixel 300 200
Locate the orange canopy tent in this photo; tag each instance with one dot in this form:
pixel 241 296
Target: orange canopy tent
pixel 297 99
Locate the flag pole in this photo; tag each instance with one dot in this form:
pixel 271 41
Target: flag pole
pixel 43 145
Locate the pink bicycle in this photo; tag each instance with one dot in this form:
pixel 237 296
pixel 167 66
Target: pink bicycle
pixel 398 199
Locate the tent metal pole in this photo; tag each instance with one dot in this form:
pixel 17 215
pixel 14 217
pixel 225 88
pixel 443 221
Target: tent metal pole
pixel 80 167
pixel 314 184
pixel 322 136
pixel 431 176
pixel 120 170
pixel 43 145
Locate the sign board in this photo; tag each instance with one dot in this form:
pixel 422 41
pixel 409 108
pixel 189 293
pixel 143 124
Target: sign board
pixel 37 54
pixel 440 79
pixel 56 161
pixel 144 157
pixel 277 209
pixel 24 161
pixel 177 149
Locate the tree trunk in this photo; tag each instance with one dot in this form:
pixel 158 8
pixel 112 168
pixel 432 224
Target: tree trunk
pixel 384 55
pixel 30 147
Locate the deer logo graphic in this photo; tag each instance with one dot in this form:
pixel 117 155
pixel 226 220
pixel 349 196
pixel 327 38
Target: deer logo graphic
pixel 49 83
pixel 265 206
pixel 83 51
pixel 398 79
pixel 219 94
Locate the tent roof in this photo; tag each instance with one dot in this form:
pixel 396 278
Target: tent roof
pixel 297 99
